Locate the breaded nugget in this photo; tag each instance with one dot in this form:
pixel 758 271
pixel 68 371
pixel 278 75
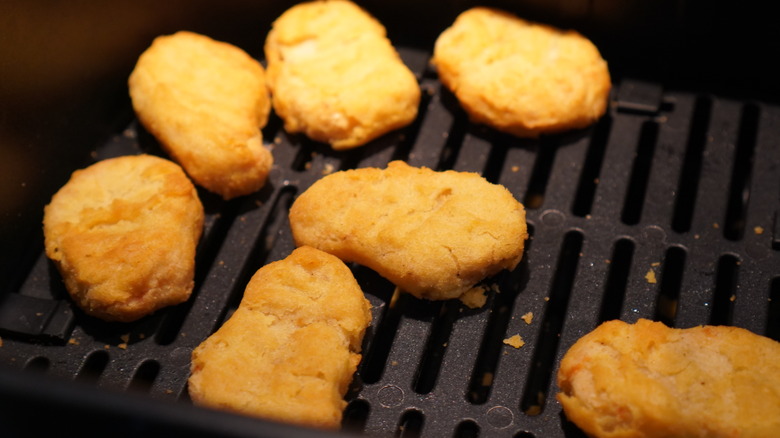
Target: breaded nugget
pixel 336 77
pixel 521 77
pixel 647 380
pixel 289 351
pixel 205 101
pixel 433 234
pixel 123 234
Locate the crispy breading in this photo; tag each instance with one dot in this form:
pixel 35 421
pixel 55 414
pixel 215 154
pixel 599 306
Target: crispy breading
pixel 290 350
pixel 648 380
pixel 521 77
pixel 433 234
pixel 123 234
pixel 336 77
pixel 205 101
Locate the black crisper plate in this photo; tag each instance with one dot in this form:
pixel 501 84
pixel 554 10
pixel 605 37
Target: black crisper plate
pixel 665 209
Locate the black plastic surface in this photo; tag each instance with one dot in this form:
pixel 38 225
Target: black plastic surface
pixel 665 209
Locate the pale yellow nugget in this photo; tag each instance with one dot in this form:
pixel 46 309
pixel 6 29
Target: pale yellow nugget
pixel 290 350
pixel 336 77
pixel 205 101
pixel 646 380
pixel 433 234
pixel 123 233
pixel 521 77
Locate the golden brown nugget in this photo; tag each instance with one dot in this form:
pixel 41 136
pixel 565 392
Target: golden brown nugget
pixel 521 77
pixel 433 234
pixel 336 77
pixel 205 101
pixel 290 350
pixel 647 380
pixel 123 234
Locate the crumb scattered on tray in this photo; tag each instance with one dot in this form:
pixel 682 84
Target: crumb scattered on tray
pixel 528 317
pixel 514 341
pixel 474 298
pixel 650 277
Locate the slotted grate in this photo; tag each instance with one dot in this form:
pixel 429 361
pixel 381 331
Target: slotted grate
pixel 665 209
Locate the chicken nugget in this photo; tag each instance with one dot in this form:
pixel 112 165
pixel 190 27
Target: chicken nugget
pixel 648 380
pixel 205 101
pixel 520 77
pixel 123 234
pixel 289 351
pixel 433 234
pixel 336 77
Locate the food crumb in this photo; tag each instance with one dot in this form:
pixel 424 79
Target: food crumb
pixel 758 230
pixel 733 298
pixel 514 341
pixel 169 391
pixel 474 298
pixel 125 338
pixel 328 169
pixel 487 379
pixel 106 346
pixel 650 277
pixel 655 264
pixel 122 346
pixel 528 317
pixel 515 168
pixel 1 342
pixel 716 225
pixel 394 363
pixel 73 341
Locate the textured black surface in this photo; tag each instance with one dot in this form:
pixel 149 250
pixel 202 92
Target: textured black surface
pixel 666 209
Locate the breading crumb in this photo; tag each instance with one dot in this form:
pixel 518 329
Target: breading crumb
pixel 515 341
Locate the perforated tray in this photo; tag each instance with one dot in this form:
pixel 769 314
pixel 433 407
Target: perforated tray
pixel 665 209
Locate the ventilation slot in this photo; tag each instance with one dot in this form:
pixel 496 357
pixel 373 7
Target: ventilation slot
pixel 145 375
pixel 540 175
pixel 355 416
pixel 637 186
pixel 93 367
pixel 467 429
pixel 671 281
pixel 411 424
pixel 739 190
pixel 773 317
pixel 725 290
pixel 535 393
pixel 691 168
pixel 586 189
pixel 430 363
pixel 617 279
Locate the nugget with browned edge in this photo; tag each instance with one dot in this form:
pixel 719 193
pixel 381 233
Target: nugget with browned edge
pixel 289 351
pixel 123 234
pixel 336 77
pixel 433 234
pixel 205 101
pixel 521 77
pixel 647 380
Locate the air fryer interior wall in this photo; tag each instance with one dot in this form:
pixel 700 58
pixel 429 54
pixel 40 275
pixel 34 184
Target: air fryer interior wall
pixel 665 209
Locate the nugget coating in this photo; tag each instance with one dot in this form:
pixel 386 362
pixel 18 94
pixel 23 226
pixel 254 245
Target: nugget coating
pixel 123 234
pixel 205 101
pixel 521 77
pixel 336 77
pixel 647 380
pixel 433 234
pixel 290 350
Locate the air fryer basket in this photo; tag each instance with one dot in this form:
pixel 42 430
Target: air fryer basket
pixel 666 208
